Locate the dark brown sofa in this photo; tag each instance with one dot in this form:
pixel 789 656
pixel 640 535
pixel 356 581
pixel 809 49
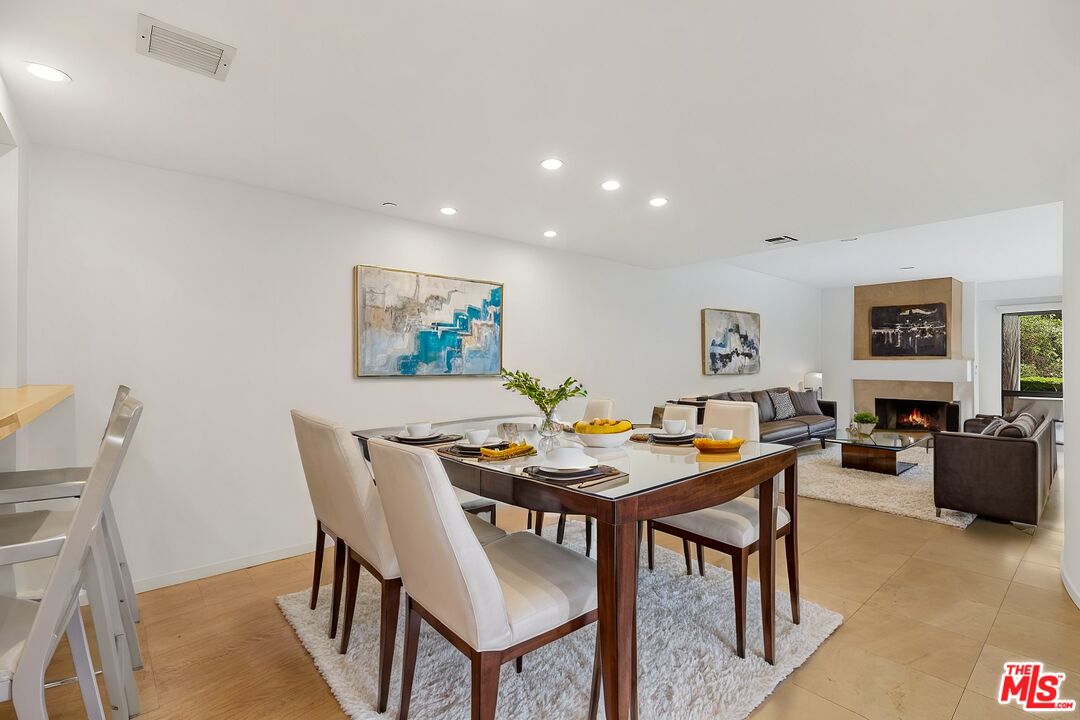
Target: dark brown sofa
pixel 807 424
pixel 1007 478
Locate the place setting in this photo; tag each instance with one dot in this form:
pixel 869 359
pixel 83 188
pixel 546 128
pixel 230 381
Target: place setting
pixel 421 433
pixel 473 444
pixel 673 433
pixel 570 465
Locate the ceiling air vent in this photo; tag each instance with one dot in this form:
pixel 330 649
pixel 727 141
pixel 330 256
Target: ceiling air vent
pixel 781 240
pixel 184 49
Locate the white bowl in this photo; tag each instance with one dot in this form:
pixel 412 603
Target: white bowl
pixel 568 458
pixel 604 440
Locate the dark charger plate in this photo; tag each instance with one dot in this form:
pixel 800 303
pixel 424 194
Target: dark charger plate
pixel 688 440
pixel 458 451
pixel 437 440
pixel 595 473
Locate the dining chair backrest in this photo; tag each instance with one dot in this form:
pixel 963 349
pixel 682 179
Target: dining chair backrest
pixel 62 590
pixel 598 408
pixel 122 392
pixel 742 417
pixel 674 411
pixel 343 493
pixel 443 566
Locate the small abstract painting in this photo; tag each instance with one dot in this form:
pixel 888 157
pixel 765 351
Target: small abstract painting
pixel 909 331
pixel 414 324
pixel 730 342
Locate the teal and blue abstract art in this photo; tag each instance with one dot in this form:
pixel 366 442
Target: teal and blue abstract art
pixel 414 324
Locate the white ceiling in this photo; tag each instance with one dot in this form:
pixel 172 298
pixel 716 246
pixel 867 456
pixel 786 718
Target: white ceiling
pixel 816 119
pixel 1009 245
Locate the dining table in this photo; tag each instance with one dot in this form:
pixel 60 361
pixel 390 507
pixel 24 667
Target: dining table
pixel 649 480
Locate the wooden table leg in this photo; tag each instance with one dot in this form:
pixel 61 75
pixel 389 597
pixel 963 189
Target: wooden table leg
pixel 791 504
pixel 616 576
pixel 767 566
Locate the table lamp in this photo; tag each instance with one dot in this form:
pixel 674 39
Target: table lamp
pixel 812 381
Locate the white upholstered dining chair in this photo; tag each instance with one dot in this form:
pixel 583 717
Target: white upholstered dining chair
pixel 732 527
pixel 741 417
pixel 347 507
pixel 31 630
pixel 687 413
pixel 494 603
pixel 598 408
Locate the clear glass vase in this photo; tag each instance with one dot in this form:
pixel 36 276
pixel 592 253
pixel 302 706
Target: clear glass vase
pixel 549 430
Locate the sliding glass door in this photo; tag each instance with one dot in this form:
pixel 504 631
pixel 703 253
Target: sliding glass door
pixel 1031 353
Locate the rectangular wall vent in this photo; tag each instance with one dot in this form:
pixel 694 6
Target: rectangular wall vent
pixel 781 240
pixel 184 49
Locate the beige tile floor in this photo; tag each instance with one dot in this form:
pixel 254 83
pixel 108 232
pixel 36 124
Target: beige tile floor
pixel 931 613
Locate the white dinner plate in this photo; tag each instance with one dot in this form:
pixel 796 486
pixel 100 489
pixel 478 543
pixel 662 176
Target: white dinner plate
pixel 579 464
pixel 487 443
pixel 404 435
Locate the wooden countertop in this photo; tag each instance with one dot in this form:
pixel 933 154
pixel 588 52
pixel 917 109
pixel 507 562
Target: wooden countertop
pixel 21 406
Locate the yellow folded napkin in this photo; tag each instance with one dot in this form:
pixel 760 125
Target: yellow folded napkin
pixel 516 450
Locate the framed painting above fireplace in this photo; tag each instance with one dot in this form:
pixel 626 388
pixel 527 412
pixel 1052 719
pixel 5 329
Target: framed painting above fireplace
pixel 909 330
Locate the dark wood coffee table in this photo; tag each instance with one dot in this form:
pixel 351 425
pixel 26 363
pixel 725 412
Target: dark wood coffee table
pixel 878 452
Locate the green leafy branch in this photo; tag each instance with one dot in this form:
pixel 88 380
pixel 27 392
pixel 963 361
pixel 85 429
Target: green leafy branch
pixel 865 417
pixel 546 399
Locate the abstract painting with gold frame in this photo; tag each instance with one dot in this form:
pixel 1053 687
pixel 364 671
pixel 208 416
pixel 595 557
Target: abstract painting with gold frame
pixel 413 324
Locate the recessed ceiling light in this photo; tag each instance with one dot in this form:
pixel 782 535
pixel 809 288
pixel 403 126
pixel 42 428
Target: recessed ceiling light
pixel 908 267
pixel 610 185
pixel 448 211
pixel 389 204
pixel 658 202
pixel 849 239
pixel 47 73
pixel 550 233
pixel 781 240
pixel 552 164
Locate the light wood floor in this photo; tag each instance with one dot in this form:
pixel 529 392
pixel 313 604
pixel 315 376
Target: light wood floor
pixel 931 613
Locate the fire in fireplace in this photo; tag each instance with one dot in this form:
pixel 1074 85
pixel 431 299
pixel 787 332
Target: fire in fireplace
pixel 924 415
pixel 916 419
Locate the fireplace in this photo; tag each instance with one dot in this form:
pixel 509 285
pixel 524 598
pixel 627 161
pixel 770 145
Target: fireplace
pixel 917 415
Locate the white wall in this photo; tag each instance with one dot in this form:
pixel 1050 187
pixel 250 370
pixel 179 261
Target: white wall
pixel 224 306
pixel 994 298
pixel 837 324
pixel 14 164
pixel 1070 556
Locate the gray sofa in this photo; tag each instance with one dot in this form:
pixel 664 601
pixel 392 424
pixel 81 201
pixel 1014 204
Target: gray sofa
pixel 814 420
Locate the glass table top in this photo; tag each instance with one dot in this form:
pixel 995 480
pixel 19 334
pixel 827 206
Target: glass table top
pixel 646 465
pixel 884 439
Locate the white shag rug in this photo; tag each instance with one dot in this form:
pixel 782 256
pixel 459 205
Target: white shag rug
pixel 686 652
pixel 910 493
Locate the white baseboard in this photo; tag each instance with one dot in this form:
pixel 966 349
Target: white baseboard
pixel 1070 587
pixel 204 571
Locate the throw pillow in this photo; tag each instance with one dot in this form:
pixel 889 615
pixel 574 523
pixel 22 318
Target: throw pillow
pixel 1022 427
pixel 805 403
pixel 993 426
pixel 766 413
pixel 782 404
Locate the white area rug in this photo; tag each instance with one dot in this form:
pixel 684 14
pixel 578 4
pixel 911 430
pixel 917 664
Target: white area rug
pixel 910 494
pixel 687 661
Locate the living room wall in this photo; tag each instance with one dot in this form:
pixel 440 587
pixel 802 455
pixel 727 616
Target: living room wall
pixel 224 306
